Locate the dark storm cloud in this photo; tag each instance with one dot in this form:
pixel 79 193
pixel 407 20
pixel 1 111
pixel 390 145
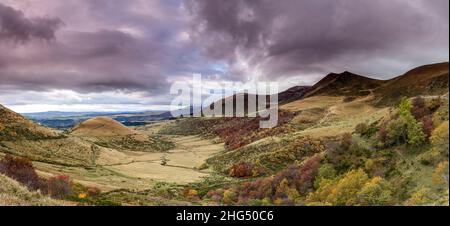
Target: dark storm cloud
pixel 291 37
pixel 105 45
pixel 15 26
pixel 88 49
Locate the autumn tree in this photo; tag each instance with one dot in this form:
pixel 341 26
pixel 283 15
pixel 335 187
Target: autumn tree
pixel 343 191
pixel 376 192
pixel 326 172
pixel 439 139
pixel 421 197
pixel 405 128
pixel 353 188
pixel 440 174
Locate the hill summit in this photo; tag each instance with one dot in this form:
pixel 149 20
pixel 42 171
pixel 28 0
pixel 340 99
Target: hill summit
pixel 109 133
pixel 102 127
pixel 345 83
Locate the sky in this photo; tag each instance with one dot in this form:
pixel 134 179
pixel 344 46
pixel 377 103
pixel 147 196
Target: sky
pixel 115 55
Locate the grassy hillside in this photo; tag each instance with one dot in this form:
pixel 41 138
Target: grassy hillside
pixel 109 133
pixel 339 146
pixel 344 84
pixel 14 194
pixel 425 80
pixel 14 127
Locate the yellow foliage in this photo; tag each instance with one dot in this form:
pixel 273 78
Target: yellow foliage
pixel 284 189
pixel 354 188
pixel 420 198
pixel 229 196
pixel 322 194
pixel 375 192
pixel 346 189
pixel 440 174
pixel 439 138
pixel 192 193
pixel 82 195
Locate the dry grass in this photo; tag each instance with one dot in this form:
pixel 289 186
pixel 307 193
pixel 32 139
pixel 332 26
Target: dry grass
pixel 14 194
pixel 141 170
pixel 102 127
pixel 311 103
pixel 336 120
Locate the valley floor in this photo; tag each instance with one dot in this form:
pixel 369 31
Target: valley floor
pixel 141 170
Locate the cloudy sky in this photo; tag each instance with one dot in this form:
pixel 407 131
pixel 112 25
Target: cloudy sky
pixel 115 55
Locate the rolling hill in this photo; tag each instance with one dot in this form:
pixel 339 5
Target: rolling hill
pixel 22 137
pixel 102 127
pixel 107 132
pixel 14 126
pixel 429 79
pixel 344 84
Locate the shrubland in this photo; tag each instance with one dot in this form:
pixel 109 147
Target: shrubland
pixel 399 160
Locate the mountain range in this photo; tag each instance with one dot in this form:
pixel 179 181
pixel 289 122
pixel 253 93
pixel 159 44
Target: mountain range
pixel 314 121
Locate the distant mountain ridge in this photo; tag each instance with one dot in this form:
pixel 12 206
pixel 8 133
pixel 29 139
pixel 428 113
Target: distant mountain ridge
pixel 344 84
pixel 431 79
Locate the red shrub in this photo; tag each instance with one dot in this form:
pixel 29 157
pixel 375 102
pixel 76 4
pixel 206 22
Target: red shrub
pixel 258 189
pixel 301 177
pixel 93 191
pixel 22 170
pixel 59 186
pixel 419 108
pixel 346 141
pixel 237 132
pixel 215 195
pixel 382 132
pixel 427 125
pixel 244 169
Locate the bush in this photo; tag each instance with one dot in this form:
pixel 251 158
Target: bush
pixel 421 198
pixel 244 169
pixel 440 174
pixel 419 108
pixel 402 129
pixel 396 132
pixel 346 141
pixel 343 191
pixel 229 197
pixel 93 192
pixel 21 170
pixel 59 186
pixel 283 191
pixel 416 136
pixel 427 125
pixel 302 178
pixel 361 128
pixel 435 104
pixel 258 189
pixel 326 171
pixel 439 139
pixel 376 192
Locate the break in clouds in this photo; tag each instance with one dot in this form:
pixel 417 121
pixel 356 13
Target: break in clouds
pixel 126 53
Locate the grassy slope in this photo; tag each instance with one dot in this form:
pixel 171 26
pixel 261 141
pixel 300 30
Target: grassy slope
pixel 14 194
